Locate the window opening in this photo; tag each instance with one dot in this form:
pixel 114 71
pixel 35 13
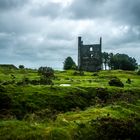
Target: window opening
pixel 91 49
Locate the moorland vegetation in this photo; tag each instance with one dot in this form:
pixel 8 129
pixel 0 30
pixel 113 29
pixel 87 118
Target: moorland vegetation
pixel 95 105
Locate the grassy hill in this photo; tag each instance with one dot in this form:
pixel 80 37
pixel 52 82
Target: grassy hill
pixel 75 107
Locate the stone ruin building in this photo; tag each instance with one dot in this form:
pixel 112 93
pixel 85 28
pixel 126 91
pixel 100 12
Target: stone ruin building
pixel 89 56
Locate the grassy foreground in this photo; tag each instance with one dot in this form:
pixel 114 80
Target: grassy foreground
pixel 87 109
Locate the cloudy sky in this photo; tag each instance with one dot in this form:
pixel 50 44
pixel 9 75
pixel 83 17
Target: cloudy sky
pixel 44 32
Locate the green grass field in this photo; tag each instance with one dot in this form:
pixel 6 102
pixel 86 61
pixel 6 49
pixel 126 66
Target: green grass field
pixel 87 109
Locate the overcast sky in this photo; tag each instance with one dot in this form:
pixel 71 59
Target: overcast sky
pixel 44 32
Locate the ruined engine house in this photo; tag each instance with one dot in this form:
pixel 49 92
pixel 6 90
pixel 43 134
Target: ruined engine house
pixel 89 56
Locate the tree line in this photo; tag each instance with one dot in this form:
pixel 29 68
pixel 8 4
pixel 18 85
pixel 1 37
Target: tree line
pixel 118 61
pixel 110 61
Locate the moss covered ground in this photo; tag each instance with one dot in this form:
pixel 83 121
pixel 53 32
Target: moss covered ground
pixel 87 109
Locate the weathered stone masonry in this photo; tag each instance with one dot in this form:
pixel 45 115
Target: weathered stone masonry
pixel 89 56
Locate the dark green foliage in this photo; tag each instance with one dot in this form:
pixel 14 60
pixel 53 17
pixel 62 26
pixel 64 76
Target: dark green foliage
pixel 45 81
pixel 8 82
pixel 107 128
pixel 47 74
pixel 116 82
pixel 105 59
pixel 2 89
pixel 26 80
pixel 69 64
pixel 13 78
pixel 21 130
pixel 5 104
pixel 122 61
pixel 35 82
pixel 88 109
pixel 128 81
pixel 102 94
pixel 8 66
pixel 39 105
pixel 95 74
pixel 119 61
pixel 58 133
pixel 21 66
pixel 5 101
pixel 23 102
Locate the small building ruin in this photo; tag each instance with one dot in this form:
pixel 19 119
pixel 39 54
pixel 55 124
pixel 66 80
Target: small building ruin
pixel 89 56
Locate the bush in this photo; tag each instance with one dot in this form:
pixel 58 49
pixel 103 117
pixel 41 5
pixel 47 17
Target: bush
pixel 95 74
pixel 5 104
pixel 116 82
pixel 47 74
pixel 128 81
pixel 46 81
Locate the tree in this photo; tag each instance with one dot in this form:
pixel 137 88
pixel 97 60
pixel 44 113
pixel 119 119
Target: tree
pixel 119 61
pixel 110 58
pixel 21 66
pixel 69 64
pixel 105 58
pixel 122 61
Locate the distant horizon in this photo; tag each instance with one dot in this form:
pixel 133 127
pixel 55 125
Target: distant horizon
pixel 36 67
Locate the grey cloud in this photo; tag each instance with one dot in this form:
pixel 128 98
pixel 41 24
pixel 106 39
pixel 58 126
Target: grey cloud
pixel 127 11
pixel 9 4
pixel 26 50
pixel 20 23
pixel 117 10
pixel 132 35
pixel 6 39
pixel 46 34
pixel 86 9
pixel 49 9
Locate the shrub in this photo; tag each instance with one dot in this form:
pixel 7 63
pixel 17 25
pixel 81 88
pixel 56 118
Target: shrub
pixel 47 74
pixel 128 81
pixel 95 74
pixel 46 81
pixel 116 82
pixel 5 104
